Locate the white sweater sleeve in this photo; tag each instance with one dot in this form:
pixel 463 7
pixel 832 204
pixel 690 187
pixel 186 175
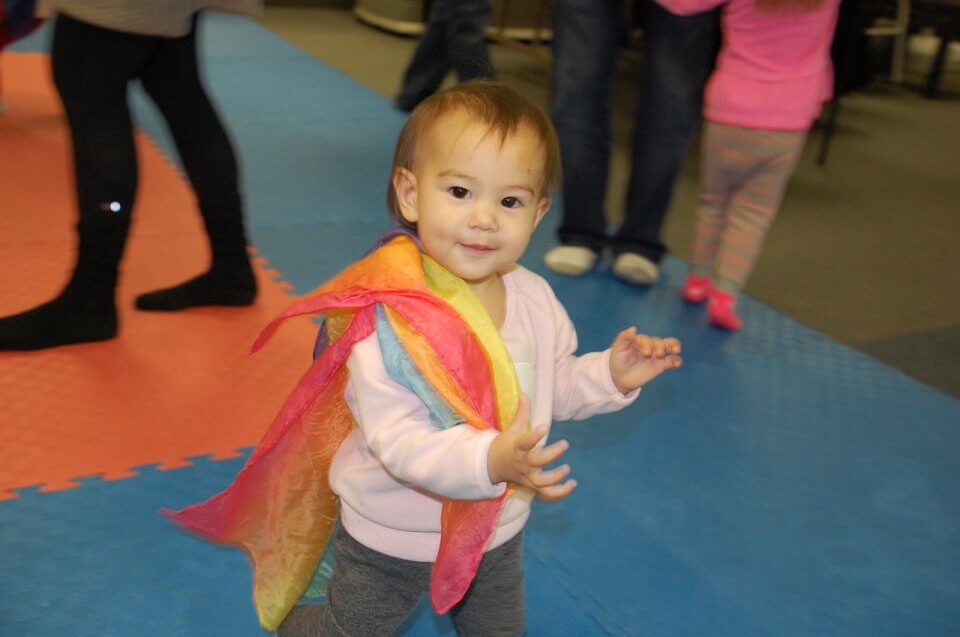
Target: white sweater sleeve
pixel 398 432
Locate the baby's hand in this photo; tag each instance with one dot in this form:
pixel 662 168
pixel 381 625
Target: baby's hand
pixel 636 359
pixel 514 457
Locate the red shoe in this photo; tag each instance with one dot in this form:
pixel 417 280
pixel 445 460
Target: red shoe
pixel 696 289
pixel 722 311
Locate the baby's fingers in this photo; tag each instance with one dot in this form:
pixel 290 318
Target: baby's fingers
pixel 557 492
pixel 529 440
pixel 673 345
pixel 544 456
pixel 523 413
pixel 544 479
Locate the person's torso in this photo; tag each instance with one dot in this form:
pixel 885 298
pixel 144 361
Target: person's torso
pixel 773 70
pixel 406 516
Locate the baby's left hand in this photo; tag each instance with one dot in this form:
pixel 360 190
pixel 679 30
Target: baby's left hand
pixel 636 359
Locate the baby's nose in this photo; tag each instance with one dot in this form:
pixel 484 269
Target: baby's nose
pixel 483 217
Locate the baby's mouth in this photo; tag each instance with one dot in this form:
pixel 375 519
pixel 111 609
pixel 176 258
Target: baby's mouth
pixel 477 247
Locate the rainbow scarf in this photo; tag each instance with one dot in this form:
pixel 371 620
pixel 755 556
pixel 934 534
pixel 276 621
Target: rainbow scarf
pixel 280 508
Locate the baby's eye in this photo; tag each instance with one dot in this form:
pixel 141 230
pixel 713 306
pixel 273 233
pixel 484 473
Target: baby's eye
pixel 458 192
pixel 510 202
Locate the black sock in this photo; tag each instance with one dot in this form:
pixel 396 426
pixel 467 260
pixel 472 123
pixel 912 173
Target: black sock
pixel 235 286
pixel 72 317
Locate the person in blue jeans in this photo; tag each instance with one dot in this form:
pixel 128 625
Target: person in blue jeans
pixel 453 41
pixel 678 54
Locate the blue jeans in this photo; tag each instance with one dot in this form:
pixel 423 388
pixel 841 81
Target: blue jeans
pixel 453 41
pixel 678 55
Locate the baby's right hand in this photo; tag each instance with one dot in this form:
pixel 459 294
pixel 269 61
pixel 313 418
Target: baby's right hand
pixel 515 457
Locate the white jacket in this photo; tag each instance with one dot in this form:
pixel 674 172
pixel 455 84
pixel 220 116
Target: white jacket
pixel 395 467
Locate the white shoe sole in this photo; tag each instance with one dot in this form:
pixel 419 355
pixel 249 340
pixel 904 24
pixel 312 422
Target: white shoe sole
pixel 571 260
pixel 636 269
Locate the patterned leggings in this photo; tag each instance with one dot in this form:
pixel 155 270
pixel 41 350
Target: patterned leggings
pixel 744 173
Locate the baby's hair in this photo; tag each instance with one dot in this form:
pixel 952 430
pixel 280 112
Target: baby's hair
pixel 501 109
pixel 787 6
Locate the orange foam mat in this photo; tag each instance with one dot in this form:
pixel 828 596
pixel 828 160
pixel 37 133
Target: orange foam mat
pixel 172 385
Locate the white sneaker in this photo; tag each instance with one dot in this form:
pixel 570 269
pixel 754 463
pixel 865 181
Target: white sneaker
pixel 571 260
pixel 633 268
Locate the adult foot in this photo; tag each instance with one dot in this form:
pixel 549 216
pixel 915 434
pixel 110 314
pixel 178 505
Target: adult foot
pixel 571 260
pixel 234 289
pixel 635 269
pixel 65 320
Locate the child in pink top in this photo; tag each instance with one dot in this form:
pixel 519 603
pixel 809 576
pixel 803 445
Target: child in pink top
pixel 773 74
pixel 472 177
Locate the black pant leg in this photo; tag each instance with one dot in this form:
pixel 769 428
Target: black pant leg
pixel 91 70
pixel 172 80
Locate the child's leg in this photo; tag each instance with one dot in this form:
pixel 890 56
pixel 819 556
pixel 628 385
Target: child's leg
pixel 369 593
pixel 755 204
pixel 769 158
pixel 719 174
pixel 495 603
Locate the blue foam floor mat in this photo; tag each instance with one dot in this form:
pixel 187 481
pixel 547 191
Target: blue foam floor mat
pixel 778 484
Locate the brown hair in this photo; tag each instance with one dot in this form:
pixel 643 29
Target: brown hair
pixel 501 109
pixel 768 7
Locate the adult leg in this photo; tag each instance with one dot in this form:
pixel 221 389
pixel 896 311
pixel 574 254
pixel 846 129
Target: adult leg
pixel 91 69
pixel 368 594
pixel 466 40
pixel 172 79
pixel 431 59
pixel 495 603
pixel 678 55
pixel 585 38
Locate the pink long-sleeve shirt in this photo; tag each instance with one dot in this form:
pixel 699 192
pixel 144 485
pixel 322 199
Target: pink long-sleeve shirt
pixel 395 466
pixel 774 70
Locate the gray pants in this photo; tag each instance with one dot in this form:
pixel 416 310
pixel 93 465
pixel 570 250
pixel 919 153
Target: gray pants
pixel 370 594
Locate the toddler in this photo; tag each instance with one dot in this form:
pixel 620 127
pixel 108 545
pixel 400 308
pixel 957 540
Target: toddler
pixel 448 356
pixel 772 75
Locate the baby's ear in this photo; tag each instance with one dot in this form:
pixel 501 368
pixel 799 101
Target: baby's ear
pixel 543 207
pixel 405 187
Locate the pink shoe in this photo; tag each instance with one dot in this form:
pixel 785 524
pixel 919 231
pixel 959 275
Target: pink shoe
pixel 722 310
pixel 696 288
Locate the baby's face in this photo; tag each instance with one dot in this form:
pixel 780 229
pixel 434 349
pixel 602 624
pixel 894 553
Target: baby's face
pixel 474 200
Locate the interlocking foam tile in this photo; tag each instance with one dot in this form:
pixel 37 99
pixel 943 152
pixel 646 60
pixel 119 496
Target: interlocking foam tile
pixel 173 384
pixel 778 484
pixel 100 561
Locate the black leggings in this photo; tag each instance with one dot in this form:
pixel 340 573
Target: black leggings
pixel 92 67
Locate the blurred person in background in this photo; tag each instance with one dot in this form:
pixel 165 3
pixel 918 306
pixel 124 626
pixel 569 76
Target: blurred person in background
pixel 773 75
pixel 678 53
pixel 452 41
pixel 99 47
